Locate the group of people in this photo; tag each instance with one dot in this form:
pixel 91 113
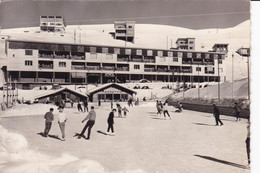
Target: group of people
pixel 162 108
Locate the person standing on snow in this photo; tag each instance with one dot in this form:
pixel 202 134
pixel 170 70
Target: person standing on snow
pixel 48 122
pixel 165 110
pixel 91 121
pixel 110 121
pixel 216 115
pixel 237 110
pixel 62 118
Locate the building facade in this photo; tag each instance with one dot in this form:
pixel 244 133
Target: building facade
pixel 33 63
pixel 52 23
pixel 186 44
pixel 125 30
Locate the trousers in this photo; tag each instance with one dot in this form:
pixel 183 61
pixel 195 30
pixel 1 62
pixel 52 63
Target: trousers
pixel 88 125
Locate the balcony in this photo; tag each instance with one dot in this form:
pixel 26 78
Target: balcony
pixel 45 66
pixel 46 56
pixel 107 68
pixel 78 57
pixel 78 67
pixel 93 68
pixel 122 69
pixel 150 70
pixel 162 70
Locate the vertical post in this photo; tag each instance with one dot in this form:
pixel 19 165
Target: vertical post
pixel 232 75
pixel 248 76
pixel 198 81
pixel 218 82
pixel 7 94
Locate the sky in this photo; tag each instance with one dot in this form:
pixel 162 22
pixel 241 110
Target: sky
pixel 193 14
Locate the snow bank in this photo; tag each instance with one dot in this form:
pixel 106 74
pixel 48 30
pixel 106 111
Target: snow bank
pixel 16 157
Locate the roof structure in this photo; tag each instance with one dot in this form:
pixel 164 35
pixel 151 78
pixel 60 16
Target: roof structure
pixel 114 85
pixel 55 92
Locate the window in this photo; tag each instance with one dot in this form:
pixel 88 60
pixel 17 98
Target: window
pixel 104 50
pixel 160 53
pixel 28 63
pixel 189 55
pixel 175 59
pixel 93 50
pixel 28 52
pixel 179 54
pixel 191 47
pixel 136 67
pixel 62 64
pixel 116 51
pixel 191 42
pixel 170 54
pixel 149 53
pixel 198 68
pixel 138 52
pixel 127 51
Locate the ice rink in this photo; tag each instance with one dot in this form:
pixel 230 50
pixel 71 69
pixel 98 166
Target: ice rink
pixel 189 142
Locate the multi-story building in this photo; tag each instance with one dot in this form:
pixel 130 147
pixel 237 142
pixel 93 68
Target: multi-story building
pixel 186 44
pixel 52 23
pixel 220 47
pixel 33 63
pixel 125 30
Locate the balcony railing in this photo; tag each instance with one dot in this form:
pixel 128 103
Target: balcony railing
pixel 93 68
pixel 149 60
pixel 46 66
pixel 149 70
pixel 108 68
pixel 122 69
pixel 73 67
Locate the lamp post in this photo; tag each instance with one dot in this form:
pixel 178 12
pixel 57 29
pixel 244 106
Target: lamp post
pixel 246 52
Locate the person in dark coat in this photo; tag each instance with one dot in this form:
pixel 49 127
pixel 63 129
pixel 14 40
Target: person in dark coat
pixel 79 107
pixel 237 110
pixel 91 121
pixel 216 115
pixel 85 105
pixel 110 121
pixel 48 122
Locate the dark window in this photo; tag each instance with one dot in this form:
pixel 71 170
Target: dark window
pixel 28 63
pixel 198 68
pixel 175 59
pixel 62 64
pixel 136 66
pixel 28 52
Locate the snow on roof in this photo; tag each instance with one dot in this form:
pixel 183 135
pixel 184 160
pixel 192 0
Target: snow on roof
pixel 104 86
pixel 59 90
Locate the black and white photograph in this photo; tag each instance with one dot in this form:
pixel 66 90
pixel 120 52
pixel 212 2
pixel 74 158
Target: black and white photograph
pixel 125 86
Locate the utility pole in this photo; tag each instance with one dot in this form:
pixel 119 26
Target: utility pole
pixel 218 82
pixel 232 75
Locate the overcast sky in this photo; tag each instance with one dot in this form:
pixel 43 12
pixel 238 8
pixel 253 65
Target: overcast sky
pixel 194 14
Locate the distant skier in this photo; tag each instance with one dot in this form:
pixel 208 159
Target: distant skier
pixel 216 115
pixel 179 106
pixel 159 107
pixel 85 105
pixel 110 121
pixel 111 103
pixel 119 110
pixel 48 122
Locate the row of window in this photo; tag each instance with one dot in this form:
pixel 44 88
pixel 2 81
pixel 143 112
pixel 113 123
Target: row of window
pixel 136 67
pixel 29 46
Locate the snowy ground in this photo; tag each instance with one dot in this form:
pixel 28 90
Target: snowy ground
pixel 144 142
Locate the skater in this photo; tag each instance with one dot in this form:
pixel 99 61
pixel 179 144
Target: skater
pixel 110 121
pixel 216 115
pixel 91 121
pixel 125 110
pixel 119 110
pixel 159 107
pixel 130 102
pixel 237 110
pixel 79 107
pixel 48 122
pixel 179 106
pixel 165 110
pixel 111 103
pixel 85 105
pixel 99 103
pixel 62 118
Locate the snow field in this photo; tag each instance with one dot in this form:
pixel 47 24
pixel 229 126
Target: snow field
pixel 143 142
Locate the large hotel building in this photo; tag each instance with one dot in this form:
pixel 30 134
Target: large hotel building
pixel 34 63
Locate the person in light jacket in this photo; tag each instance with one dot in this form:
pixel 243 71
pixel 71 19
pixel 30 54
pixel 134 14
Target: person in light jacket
pixel 62 118
pixel 91 121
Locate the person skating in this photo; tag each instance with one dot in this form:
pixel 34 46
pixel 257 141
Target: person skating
pixel 165 110
pixel 159 107
pixel 62 118
pixel 112 104
pixel 248 143
pixel 119 110
pixel 79 107
pixel 48 122
pixel 125 110
pixel 110 122
pixel 216 115
pixel 85 105
pixel 237 110
pixel 179 106
pixel 91 121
